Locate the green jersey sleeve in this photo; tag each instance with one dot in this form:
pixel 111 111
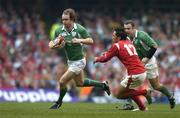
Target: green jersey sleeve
pixel 84 33
pixel 150 42
pixel 57 32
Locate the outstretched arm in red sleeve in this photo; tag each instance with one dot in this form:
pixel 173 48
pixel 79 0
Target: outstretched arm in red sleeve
pixel 107 55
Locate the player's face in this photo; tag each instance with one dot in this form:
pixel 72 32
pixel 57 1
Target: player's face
pixel 114 37
pixel 67 22
pixel 129 29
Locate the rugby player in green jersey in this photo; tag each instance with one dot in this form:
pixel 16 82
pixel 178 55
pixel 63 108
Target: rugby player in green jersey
pixel 75 36
pixel 146 47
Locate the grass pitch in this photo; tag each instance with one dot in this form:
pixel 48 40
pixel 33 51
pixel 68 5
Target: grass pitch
pixel 83 110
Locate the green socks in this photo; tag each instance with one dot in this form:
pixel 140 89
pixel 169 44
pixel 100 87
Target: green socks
pixel 62 94
pixel 88 82
pixel 165 91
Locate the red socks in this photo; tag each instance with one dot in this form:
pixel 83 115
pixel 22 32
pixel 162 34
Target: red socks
pixel 132 93
pixel 139 102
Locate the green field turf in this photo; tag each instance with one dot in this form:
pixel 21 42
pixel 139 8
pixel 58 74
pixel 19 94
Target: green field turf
pixel 83 110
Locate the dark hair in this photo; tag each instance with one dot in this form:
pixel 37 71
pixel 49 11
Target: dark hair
pixel 120 32
pixel 130 22
pixel 71 12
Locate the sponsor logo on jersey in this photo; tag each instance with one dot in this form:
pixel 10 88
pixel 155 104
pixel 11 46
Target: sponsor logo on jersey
pixel 63 34
pixel 73 34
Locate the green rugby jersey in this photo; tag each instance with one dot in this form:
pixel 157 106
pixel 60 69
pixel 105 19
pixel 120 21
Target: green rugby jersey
pixel 143 43
pixel 73 51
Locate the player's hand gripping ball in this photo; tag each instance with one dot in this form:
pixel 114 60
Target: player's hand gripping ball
pixel 59 41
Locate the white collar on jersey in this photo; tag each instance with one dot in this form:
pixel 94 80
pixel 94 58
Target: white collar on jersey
pixel 74 27
pixel 136 33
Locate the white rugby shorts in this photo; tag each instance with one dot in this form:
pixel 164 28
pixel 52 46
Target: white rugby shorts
pixel 76 66
pixel 133 81
pixel 152 68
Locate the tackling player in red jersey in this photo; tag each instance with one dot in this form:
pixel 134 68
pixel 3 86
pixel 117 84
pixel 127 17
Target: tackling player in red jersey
pixel 124 50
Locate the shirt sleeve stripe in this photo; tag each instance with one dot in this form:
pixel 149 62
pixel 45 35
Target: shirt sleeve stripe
pixel 117 45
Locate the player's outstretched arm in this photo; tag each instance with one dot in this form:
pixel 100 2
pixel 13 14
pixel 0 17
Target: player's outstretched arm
pixel 87 41
pixel 106 56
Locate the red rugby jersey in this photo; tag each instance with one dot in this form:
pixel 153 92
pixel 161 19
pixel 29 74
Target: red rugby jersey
pixel 126 52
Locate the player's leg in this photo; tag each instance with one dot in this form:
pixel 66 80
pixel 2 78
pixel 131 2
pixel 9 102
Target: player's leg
pixel 129 83
pixel 139 102
pixel 123 93
pixel 133 83
pixel 159 87
pixel 78 68
pixel 67 76
pixel 153 77
pixel 80 82
pixel 128 105
pixel 125 89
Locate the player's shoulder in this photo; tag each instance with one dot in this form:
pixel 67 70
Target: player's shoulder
pixel 59 29
pixel 141 33
pixel 80 27
pixel 118 44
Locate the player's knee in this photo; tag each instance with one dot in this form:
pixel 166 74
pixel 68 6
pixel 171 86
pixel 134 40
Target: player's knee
pixel 61 83
pixel 79 83
pixel 156 87
pixel 155 83
pixel 117 95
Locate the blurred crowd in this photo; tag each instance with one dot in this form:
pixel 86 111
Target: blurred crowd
pixel 25 59
pixel 27 62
